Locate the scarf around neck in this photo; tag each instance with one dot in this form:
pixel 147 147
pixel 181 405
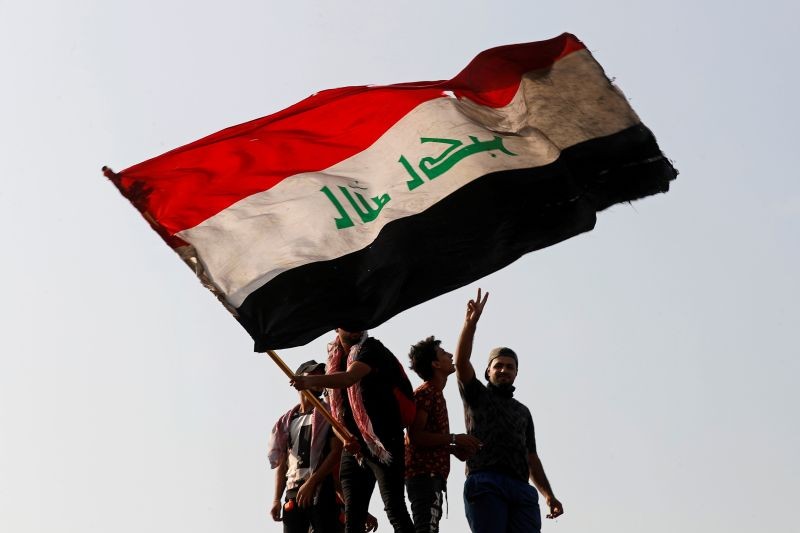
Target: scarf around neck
pixel 336 354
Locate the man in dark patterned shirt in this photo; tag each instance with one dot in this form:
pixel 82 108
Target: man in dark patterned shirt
pixel 497 495
pixel 430 442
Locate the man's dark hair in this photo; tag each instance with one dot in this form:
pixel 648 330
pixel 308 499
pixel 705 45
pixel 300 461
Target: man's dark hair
pixel 422 355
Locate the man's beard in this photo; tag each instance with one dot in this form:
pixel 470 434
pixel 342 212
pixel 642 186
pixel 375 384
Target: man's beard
pixel 503 389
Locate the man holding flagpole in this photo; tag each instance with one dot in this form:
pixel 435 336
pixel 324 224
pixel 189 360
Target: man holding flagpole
pixel 369 392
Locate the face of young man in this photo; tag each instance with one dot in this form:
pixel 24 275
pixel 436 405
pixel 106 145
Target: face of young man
pixel 316 390
pixel 502 370
pixel 443 361
pixel 348 338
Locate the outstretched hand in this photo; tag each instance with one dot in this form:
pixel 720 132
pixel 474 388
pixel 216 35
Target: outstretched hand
pixel 475 308
pixel 299 382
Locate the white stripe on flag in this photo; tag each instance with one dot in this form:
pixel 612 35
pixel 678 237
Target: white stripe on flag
pixel 295 223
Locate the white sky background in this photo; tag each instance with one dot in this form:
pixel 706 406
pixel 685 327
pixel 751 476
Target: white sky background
pixel 659 353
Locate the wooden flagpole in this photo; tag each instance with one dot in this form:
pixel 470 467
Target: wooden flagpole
pixel 344 435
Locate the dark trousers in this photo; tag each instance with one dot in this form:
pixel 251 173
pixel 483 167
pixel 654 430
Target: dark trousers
pixel 496 503
pixel 426 494
pixel 322 515
pixel 358 482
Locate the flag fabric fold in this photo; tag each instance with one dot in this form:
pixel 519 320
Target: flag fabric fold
pixel 360 202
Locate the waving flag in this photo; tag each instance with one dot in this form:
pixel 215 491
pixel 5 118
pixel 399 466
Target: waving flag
pixel 360 202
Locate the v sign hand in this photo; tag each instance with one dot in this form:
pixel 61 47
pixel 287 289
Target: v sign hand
pixel 475 308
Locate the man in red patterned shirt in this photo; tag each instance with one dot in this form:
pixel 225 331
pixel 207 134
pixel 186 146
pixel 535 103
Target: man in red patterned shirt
pixel 430 442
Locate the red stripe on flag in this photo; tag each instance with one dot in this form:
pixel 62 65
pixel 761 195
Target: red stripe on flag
pixel 190 184
pixel 493 77
pixel 182 188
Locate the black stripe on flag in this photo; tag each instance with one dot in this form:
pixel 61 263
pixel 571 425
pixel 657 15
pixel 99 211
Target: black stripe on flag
pixel 475 231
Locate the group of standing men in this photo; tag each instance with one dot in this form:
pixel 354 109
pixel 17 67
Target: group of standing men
pixel 370 395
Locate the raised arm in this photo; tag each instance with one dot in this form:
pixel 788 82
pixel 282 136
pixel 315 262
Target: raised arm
pixel 464 370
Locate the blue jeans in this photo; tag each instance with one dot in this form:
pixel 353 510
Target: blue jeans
pixel 497 503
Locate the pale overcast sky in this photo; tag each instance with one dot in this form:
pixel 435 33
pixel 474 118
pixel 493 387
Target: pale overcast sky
pixel 659 353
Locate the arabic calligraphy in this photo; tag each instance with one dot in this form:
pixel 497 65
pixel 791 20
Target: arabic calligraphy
pixel 351 205
pixel 433 167
pixel 362 208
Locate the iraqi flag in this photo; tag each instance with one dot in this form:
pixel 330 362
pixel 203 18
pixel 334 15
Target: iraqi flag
pixel 360 202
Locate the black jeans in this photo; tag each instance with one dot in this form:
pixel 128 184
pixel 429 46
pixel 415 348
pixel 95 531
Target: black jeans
pixel 323 515
pixel 358 482
pixel 426 494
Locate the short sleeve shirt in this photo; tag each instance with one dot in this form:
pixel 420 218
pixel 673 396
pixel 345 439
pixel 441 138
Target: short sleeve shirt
pixel 377 389
pixel 430 460
pixel 299 465
pixel 503 425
